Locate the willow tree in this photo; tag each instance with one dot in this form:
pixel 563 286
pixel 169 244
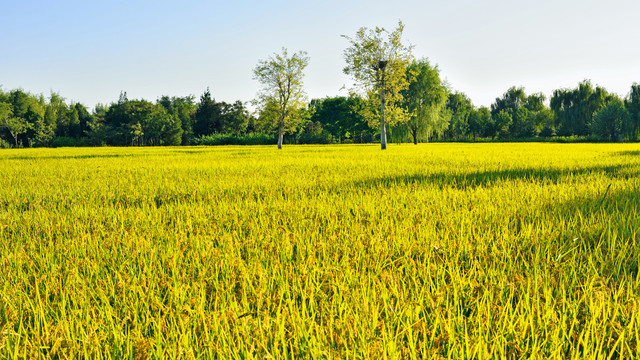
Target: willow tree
pixel 281 78
pixel 426 99
pixel 632 103
pixel 378 60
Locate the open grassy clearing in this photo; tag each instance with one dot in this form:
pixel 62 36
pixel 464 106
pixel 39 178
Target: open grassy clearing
pixel 428 251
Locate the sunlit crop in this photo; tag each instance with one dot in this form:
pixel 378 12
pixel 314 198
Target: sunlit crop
pixel 429 251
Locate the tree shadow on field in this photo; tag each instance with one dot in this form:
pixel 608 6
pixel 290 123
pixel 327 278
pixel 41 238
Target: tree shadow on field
pixel 599 229
pixel 66 157
pixel 489 178
pixel 627 153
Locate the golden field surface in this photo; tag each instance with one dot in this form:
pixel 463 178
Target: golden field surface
pixel 429 251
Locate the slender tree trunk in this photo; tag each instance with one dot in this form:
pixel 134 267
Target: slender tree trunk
pixel 414 132
pixel 383 128
pixel 280 135
pixel 15 137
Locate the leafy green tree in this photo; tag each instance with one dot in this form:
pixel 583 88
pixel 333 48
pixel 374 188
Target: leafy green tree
pixel 184 109
pixel 16 126
pixel 74 122
pixel 56 115
pixel 426 100
pixel 523 120
pixel 501 123
pixel 574 108
pixel 84 118
pixel 632 104
pixel 529 114
pixel 235 118
pixel 511 102
pixel 543 121
pixel 535 102
pixel 379 67
pixel 115 124
pixel 152 123
pixel 32 109
pixel 479 120
pixel 609 121
pixel 342 117
pixel 281 77
pixel 269 120
pixel 6 112
pixel 208 116
pixel 136 122
pixel 98 131
pixel 513 99
pixel 460 107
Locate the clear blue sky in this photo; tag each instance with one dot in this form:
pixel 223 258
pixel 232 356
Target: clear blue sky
pixel 89 51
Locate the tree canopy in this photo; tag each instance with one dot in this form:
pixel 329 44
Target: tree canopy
pixel 281 77
pixel 377 60
pixel 425 99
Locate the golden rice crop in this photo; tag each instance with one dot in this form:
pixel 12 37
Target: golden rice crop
pixel 428 251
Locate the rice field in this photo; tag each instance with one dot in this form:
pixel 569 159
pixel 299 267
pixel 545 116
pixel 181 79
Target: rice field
pixel 435 251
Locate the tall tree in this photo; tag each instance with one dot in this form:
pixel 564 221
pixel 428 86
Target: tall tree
pixel 281 77
pixel 460 107
pixel 632 103
pixel 208 116
pixel 574 108
pixel 31 109
pixel 98 130
pixel 379 66
pixel 269 122
pixel 512 103
pixel 342 117
pixel 15 125
pixel 479 120
pixel 151 124
pixel 84 117
pixel 501 123
pixel 426 99
pixel 235 118
pixel 609 121
pixel 184 109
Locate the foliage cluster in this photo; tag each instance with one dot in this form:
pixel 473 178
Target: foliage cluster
pixel 379 66
pixel 227 139
pixel 28 120
pixel 282 95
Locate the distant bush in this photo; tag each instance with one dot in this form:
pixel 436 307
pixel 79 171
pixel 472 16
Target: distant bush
pixel 322 138
pixel 263 139
pixel 225 139
pixel 65 141
pixel 4 144
pixel 539 139
pixel 575 139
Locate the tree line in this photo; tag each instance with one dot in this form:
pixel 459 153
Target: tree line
pixel 28 120
pixel 395 96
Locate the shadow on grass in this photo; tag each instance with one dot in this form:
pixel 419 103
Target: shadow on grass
pixel 65 157
pixel 602 228
pixel 489 178
pixel 627 153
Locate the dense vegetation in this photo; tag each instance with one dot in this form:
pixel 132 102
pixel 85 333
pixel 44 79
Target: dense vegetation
pixel 427 251
pixel 28 120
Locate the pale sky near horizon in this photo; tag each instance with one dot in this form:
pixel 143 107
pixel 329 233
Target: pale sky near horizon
pixel 89 51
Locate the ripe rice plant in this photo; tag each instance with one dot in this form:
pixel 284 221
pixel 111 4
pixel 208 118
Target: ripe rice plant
pixel 429 251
